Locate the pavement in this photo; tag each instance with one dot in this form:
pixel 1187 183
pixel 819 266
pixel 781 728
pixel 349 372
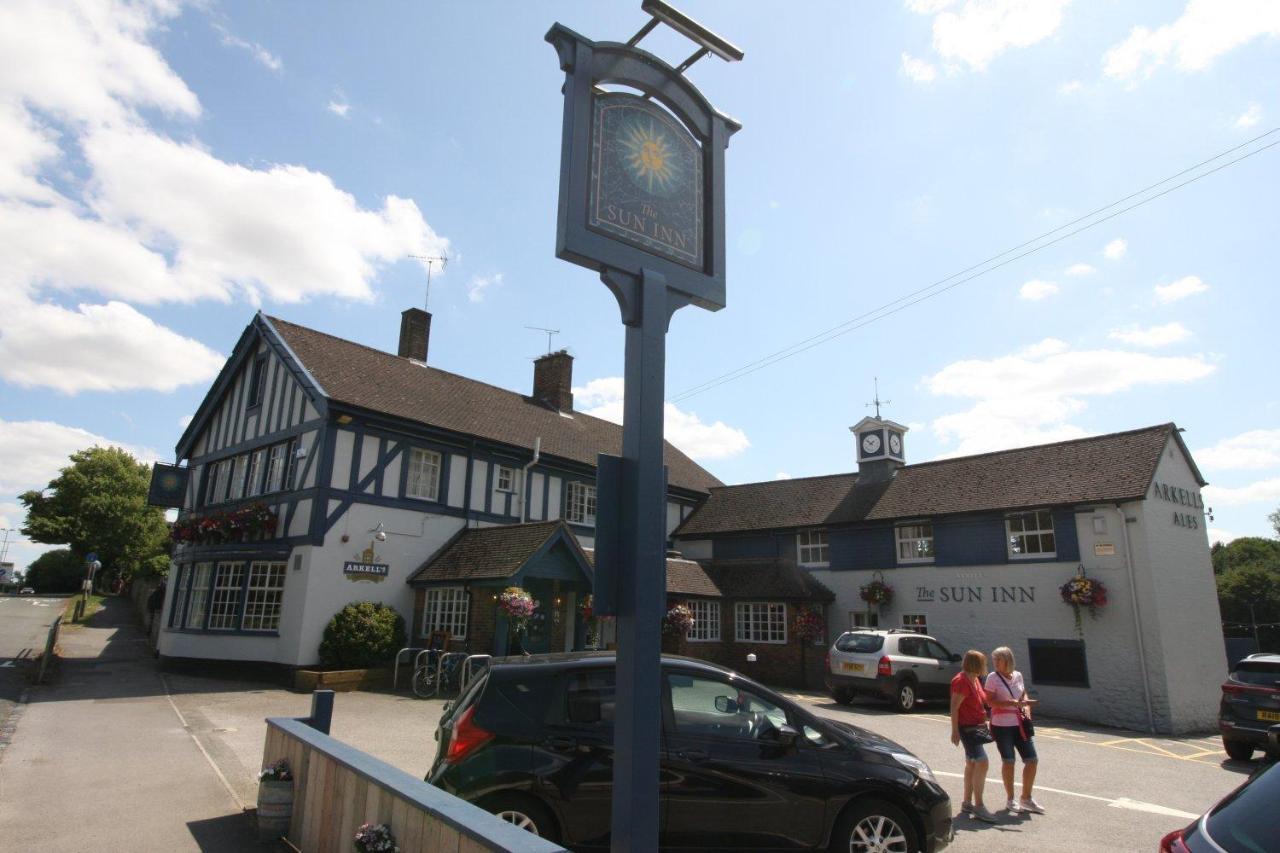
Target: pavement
pixel 101 760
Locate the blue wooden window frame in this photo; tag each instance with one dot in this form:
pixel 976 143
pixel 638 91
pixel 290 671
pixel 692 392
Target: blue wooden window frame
pixel 257 382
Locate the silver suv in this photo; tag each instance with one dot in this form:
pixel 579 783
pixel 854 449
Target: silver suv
pixel 899 665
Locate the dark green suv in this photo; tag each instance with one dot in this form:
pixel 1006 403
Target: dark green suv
pixel 1251 707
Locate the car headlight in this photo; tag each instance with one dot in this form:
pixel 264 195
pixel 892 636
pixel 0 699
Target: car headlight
pixel 915 765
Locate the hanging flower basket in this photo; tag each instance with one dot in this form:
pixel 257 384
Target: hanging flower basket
pixel 519 607
pixel 808 625
pixel 255 519
pixel 679 621
pixel 877 592
pixel 1084 592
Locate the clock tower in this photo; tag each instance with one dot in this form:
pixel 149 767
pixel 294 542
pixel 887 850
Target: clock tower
pixel 880 448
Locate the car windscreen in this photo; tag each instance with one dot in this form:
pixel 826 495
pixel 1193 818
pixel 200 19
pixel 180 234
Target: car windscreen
pixel 860 643
pixel 1246 819
pixel 1262 673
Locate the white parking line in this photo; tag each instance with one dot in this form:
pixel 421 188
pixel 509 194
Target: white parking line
pixel 1121 803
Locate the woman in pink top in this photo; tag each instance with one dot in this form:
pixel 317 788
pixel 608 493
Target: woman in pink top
pixel 1009 702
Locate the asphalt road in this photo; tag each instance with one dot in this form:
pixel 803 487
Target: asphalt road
pixel 1104 789
pixel 24 626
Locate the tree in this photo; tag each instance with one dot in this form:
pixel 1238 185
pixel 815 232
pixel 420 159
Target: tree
pixel 1245 551
pixel 98 504
pixel 55 571
pixel 1274 518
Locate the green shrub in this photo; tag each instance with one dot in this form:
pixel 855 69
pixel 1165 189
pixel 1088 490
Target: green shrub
pixel 362 635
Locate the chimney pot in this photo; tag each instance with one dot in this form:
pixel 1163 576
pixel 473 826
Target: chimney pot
pixel 553 380
pixel 415 333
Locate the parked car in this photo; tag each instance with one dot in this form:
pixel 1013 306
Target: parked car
pixel 26 590
pixel 1242 822
pixel 531 740
pixel 1250 706
pixel 896 664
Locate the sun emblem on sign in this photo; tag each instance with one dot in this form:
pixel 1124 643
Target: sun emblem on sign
pixel 649 157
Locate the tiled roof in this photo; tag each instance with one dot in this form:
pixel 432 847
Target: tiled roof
pixel 486 553
pixel 768 578
pixel 378 381
pixel 689 577
pixel 1112 467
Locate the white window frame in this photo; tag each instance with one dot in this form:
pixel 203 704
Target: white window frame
pixel 444 608
pixel 706 620
pixel 253 485
pixel 222 478
pixel 275 469
pixel 290 464
pixel 813 548
pixel 911 539
pixel 863 619
pixel 224 601
pixel 505 479
pixel 176 615
pixel 580 504
pixel 760 622
pixel 423 480
pixel 201 580
pixel 918 622
pixel 237 476
pixel 266 584
pixel 1036 517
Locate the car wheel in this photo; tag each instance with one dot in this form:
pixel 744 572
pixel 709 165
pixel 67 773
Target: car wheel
pixel 842 695
pixel 524 812
pixel 905 698
pixel 874 826
pixel 1237 750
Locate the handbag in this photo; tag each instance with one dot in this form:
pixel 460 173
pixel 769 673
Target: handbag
pixel 981 733
pixel 1026 728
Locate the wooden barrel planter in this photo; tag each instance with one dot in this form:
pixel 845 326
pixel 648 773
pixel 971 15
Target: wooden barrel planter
pixel 275 809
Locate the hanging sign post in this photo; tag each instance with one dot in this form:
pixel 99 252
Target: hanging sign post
pixel 642 204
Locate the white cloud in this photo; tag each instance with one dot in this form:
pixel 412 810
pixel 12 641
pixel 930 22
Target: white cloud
pixel 981 30
pixel 1217 534
pixel 1036 289
pixel 1182 288
pixel 263 56
pixel 1255 450
pixel 479 286
pixel 782 475
pixel 1029 397
pixel 1070 87
pixel 1077 270
pixel 107 347
pixel 1250 117
pixel 917 69
pixel 1152 336
pixel 602 398
pixel 33 452
pixel 339 109
pixel 1263 491
pixel 185 421
pixel 1116 249
pixel 1206 30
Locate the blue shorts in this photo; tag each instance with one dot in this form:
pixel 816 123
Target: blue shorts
pixel 974 749
pixel 1008 739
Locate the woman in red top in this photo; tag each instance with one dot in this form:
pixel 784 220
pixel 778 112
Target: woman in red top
pixel 968 721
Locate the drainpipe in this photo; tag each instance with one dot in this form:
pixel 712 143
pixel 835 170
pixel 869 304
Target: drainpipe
pixel 1137 618
pixel 524 480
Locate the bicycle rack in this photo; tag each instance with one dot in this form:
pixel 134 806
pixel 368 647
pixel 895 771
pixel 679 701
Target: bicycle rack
pixel 467 666
pixel 395 669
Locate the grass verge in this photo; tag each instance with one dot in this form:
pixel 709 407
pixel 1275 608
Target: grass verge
pixel 92 606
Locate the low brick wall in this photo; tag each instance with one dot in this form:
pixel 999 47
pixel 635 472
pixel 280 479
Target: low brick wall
pixel 337 788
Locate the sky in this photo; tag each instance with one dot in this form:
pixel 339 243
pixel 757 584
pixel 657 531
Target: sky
pixel 167 169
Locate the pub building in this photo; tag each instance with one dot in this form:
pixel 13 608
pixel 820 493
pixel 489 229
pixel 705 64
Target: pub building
pixel 321 472
pixel 976 549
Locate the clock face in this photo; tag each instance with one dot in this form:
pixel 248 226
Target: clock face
pixel 895 443
pixel 870 442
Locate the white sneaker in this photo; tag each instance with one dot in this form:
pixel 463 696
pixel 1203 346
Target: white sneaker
pixel 1012 806
pixel 1030 805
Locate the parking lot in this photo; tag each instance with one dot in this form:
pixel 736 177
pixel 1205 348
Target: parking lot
pixel 1103 789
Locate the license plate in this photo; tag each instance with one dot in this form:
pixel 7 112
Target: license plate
pixel 858 667
pixel 1269 715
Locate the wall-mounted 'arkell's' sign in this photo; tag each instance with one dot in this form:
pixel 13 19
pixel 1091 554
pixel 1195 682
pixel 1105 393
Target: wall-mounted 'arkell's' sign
pixel 369 572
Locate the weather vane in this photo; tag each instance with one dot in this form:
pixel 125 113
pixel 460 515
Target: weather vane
pixel 877 402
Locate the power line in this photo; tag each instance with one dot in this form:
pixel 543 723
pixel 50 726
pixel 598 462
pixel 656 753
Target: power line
pixel 936 288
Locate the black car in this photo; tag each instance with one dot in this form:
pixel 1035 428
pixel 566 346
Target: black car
pixel 1243 822
pixel 742 768
pixel 1250 706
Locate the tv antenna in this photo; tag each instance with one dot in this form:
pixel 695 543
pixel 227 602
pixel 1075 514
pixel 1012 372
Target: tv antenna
pixel 877 402
pixel 431 263
pixel 549 332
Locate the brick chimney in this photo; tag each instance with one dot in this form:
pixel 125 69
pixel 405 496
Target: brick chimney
pixel 415 332
pixel 553 380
